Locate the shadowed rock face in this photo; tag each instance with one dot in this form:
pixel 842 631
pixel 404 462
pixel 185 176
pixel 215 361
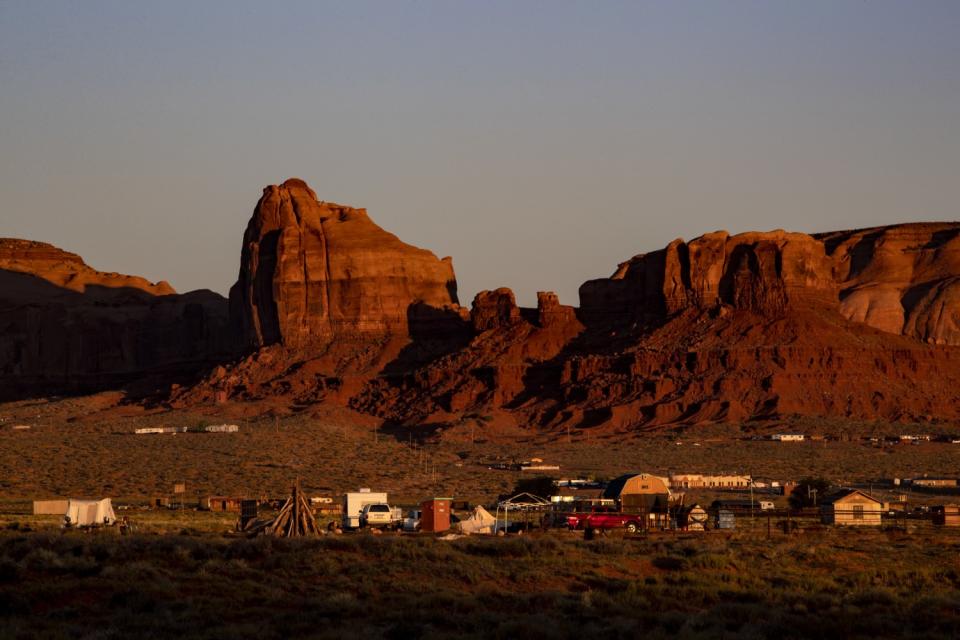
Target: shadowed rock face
pixel 721 328
pixel 66 328
pixel 329 307
pixel 311 271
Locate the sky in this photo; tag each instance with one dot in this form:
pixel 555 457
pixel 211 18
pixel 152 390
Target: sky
pixel 538 143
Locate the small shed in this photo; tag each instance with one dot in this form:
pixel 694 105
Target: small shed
pixel 221 503
pixel 851 507
pixel 435 515
pixel 946 515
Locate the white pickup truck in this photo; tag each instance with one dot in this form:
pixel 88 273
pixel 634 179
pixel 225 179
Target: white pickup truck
pixel 381 515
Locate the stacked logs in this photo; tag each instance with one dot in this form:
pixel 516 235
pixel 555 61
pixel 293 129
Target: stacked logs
pixel 294 520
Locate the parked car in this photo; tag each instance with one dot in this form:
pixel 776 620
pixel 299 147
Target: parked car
pixel 606 518
pixel 380 515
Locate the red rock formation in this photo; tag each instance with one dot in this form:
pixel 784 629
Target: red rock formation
pixel 494 310
pixel 311 271
pixel 724 328
pixel 761 272
pixel 65 327
pixel 857 324
pixel 901 279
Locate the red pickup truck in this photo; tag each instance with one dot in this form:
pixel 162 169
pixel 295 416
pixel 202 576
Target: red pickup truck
pixel 605 518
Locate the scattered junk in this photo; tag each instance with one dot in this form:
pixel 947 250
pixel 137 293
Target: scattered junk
pixel 221 428
pixel 221 503
pixel 56 507
pixel 933 483
pixel 149 430
pixel 480 522
pixel 788 437
pixel 724 519
pixel 294 520
pixel 412 522
pixel 851 507
pixel 435 515
pixel 355 501
pixel 21 427
pixel 538 466
pixel 249 511
pixel 326 505
pixel 523 505
pixel 693 518
pixel 88 513
pixel 946 515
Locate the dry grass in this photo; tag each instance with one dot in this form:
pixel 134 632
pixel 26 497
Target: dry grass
pixel 832 584
pixel 69 453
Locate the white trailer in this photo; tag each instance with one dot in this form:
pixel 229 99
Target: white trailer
pixel 354 502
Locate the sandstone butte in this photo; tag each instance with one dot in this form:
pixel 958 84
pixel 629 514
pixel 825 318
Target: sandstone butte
pixel 330 308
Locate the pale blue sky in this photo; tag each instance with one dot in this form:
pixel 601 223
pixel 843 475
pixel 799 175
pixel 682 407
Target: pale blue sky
pixel 538 143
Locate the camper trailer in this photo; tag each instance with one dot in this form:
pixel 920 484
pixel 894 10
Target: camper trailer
pixel 354 502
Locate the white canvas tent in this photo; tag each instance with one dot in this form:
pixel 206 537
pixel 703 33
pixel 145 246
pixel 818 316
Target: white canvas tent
pixel 480 521
pixel 89 513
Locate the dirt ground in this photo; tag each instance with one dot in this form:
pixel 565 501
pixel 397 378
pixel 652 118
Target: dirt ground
pixel 87 447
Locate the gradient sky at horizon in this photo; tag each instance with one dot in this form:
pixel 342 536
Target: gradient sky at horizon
pixel 538 143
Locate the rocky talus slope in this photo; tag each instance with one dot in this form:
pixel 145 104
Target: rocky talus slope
pixel 330 308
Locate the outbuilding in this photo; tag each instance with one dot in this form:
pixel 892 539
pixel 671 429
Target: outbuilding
pixel 435 515
pixel 641 493
pixel 221 503
pixel 851 507
pixel 946 515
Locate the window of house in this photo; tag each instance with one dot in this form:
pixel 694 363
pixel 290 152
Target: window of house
pixel 858 512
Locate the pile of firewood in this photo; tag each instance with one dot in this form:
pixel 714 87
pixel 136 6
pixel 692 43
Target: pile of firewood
pixel 294 520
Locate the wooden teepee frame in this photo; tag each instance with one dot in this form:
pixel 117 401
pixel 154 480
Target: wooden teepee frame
pixel 294 520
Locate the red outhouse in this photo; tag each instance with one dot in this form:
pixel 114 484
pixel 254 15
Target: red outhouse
pixel 435 515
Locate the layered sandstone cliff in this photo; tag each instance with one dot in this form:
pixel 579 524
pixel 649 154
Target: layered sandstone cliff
pixel 760 272
pixel 721 328
pixel 901 279
pixel 66 327
pixel 311 271
pixel 330 308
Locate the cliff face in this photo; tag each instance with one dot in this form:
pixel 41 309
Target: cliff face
pixel 329 307
pixel 65 327
pixel 759 272
pixel 901 279
pixel 311 271
pixel 721 328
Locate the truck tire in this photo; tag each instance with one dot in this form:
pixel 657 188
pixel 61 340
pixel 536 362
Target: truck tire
pixel 632 527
